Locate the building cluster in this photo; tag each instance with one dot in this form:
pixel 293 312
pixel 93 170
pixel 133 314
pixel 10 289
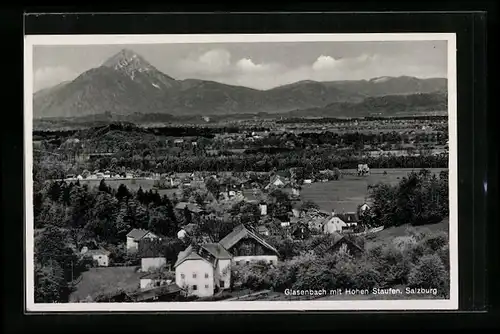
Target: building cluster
pixel 203 268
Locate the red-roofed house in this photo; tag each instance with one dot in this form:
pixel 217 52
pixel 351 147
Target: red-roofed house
pixel 136 235
pixel 247 246
pixel 200 270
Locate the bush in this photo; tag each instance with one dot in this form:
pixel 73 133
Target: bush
pixel 367 276
pixel 444 255
pixel 436 241
pixel 253 276
pixel 430 272
pixel 394 264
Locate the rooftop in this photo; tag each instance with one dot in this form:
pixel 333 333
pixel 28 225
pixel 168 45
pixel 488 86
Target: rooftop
pixel 240 232
pixel 137 234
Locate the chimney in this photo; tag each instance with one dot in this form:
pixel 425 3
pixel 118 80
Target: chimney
pixel 333 213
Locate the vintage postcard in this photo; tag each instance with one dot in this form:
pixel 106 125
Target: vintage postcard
pixel 241 172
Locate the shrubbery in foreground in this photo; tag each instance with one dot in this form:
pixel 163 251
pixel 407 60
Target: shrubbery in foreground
pixel 414 261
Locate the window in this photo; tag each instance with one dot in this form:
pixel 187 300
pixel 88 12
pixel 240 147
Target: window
pixel 248 262
pixel 194 275
pixel 182 276
pixel 195 287
pixel 221 283
pixel 206 275
pixel 157 283
pixel 206 286
pixel 271 262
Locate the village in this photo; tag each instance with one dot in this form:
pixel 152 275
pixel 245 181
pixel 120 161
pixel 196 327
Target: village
pixel 203 269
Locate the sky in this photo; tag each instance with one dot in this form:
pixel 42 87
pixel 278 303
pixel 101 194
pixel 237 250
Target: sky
pixel 257 65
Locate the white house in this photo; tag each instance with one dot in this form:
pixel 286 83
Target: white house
pixel 245 246
pixel 364 207
pixel 335 224
pixel 263 209
pixel 136 235
pixel 307 181
pixel 99 255
pixel 200 270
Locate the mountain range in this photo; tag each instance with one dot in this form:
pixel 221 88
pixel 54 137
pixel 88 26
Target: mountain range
pixel 127 84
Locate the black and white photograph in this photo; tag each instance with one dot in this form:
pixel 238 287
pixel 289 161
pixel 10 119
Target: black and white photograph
pixel 241 172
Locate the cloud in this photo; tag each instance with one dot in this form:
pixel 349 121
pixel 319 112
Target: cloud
pixel 217 65
pixel 49 76
pixel 216 61
pixel 247 65
pixel 324 63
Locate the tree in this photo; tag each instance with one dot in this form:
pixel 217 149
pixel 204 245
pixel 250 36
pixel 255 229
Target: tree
pixel 50 285
pixel 161 223
pixel 280 204
pixel 140 195
pixel 213 186
pixel 104 187
pixel 122 192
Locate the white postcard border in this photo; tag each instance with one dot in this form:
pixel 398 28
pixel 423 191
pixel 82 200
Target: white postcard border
pixel 378 305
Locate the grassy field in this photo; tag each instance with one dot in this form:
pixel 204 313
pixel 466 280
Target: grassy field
pixel 104 280
pixel 351 190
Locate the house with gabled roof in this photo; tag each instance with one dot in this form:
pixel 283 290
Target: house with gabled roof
pixel 246 245
pixel 201 270
pixel 337 242
pixel 136 235
pixel 334 224
pixel 276 181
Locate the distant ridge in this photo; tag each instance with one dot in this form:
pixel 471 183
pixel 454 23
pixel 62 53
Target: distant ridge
pixel 127 84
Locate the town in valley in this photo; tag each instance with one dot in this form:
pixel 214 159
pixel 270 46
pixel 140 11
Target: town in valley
pixel 148 188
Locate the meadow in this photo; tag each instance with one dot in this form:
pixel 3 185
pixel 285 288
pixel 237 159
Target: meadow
pixel 103 280
pixel 345 194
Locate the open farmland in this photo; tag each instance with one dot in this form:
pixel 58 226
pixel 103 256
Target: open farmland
pixel 351 190
pixel 104 280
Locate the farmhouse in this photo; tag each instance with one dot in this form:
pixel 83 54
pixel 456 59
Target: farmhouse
pixel 334 224
pixel 202 270
pixel 245 246
pixel 101 256
pixel 136 235
pixel 152 254
pixel 339 242
pixel 276 181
